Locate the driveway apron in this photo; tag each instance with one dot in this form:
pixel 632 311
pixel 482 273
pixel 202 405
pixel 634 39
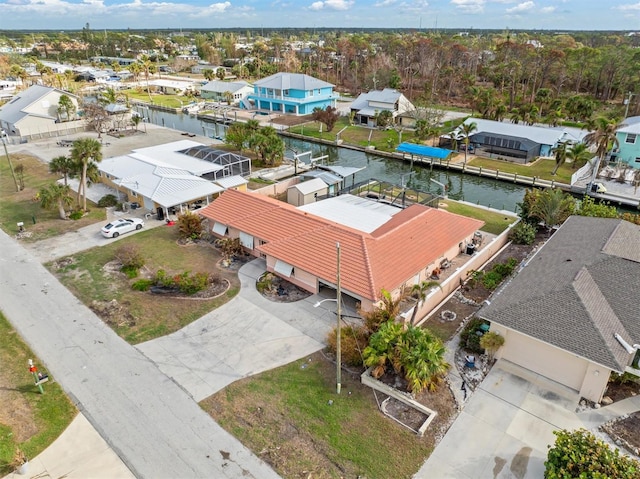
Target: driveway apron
pixel 151 423
pixel 505 428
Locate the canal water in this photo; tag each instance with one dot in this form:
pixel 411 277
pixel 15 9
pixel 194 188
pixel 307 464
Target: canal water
pixel 482 191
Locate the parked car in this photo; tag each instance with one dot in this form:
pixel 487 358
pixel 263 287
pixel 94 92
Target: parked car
pixel 121 226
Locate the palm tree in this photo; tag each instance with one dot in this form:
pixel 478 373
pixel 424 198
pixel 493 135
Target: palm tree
pixel 84 152
pixel 579 154
pixel 466 129
pixel 56 196
pixel 62 165
pixel 602 137
pixel 228 97
pixel 419 291
pixel 552 207
pixel 66 105
pixel 421 356
pixel 560 152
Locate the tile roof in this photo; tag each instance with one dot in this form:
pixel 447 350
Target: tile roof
pixel 577 291
pixel 385 258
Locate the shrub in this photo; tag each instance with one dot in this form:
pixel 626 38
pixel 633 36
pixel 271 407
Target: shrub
pixel 192 283
pixel 491 280
pixel 130 257
pixel 76 215
pixel 142 284
pixel 579 454
pixel 353 340
pixel 469 337
pixel 189 225
pixel 162 280
pixel 107 200
pixel 523 233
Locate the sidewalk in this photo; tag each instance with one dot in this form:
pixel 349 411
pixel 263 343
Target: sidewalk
pixel 79 453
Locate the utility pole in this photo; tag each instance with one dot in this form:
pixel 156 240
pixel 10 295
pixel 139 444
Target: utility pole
pixel 627 101
pixel 338 331
pixel 6 152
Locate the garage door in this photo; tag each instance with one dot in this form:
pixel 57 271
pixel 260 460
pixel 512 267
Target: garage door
pixel 541 358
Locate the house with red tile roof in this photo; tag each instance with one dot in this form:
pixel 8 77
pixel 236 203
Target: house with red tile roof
pixel 382 247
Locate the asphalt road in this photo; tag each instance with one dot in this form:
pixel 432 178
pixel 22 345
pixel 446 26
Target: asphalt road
pixel 149 421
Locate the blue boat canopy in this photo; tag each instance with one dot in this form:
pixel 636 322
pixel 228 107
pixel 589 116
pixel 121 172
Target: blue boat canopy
pixel 423 150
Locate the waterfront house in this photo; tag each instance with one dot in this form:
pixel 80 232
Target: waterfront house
pixel 512 141
pixel 382 246
pixel 174 176
pixel 293 93
pixel 216 90
pixel 569 313
pixel 367 106
pixel 627 149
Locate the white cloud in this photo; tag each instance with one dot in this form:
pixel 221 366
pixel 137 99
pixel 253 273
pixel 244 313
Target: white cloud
pixel 385 3
pixel 469 6
pixel 628 7
pixel 522 7
pixel 331 5
pixel 548 9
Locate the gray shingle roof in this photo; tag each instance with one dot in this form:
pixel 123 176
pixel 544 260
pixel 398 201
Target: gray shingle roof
pixel 577 291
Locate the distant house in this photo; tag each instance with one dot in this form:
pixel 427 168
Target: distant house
pixel 381 246
pixel 569 313
pixel 628 148
pixel 520 143
pixel 367 106
pixel 33 111
pixel 215 90
pixel 294 93
pixel 200 68
pixel 172 87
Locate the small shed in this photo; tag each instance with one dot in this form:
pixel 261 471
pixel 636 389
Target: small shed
pixel 306 192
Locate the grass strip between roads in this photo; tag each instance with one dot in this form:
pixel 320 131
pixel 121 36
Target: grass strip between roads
pixel 28 420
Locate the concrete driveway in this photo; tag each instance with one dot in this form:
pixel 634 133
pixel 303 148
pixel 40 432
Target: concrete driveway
pixel 247 335
pixel 505 428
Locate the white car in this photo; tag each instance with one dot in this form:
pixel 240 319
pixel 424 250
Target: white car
pixel 118 227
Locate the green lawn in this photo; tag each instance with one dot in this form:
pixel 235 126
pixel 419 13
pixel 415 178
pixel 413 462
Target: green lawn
pixel 146 316
pixel 22 207
pixel 541 168
pixel 30 420
pixel 495 223
pixel 170 101
pixel 292 418
pixel 383 140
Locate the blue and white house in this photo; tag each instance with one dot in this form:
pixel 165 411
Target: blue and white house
pixel 293 93
pixel 628 148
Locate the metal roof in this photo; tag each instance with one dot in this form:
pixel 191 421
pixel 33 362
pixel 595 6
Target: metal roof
pixel 355 212
pixel 538 134
pixel 14 111
pixel 292 81
pixel 231 181
pixel 327 177
pixel 310 186
pixel 171 155
pixel 387 95
pixel 423 150
pixel 342 171
pixel 166 186
pixel 223 86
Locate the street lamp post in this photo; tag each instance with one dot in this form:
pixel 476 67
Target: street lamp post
pixel 4 135
pixel 338 301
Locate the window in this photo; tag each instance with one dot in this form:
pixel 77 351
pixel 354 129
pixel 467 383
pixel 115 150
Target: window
pixel 631 138
pixel 285 92
pixel 637 160
pixel 310 92
pixel 133 193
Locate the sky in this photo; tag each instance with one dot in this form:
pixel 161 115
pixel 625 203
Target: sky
pixel 556 15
